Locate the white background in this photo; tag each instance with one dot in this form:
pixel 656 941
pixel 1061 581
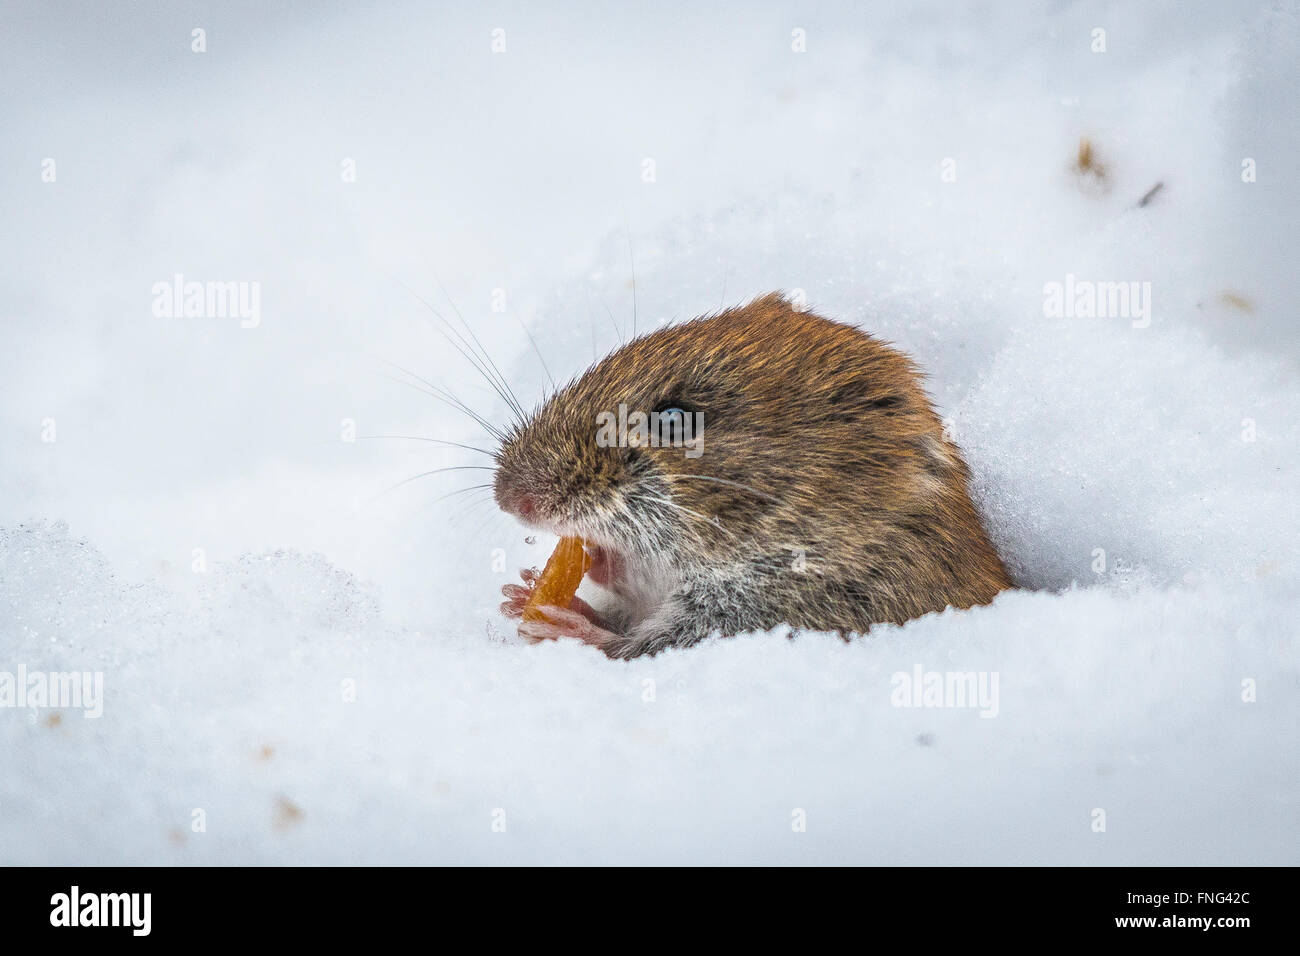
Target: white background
pixel 1120 690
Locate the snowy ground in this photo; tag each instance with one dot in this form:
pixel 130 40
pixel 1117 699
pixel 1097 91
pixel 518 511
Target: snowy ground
pixel 315 670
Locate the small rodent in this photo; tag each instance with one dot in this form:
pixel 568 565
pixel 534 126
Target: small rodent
pixel 821 494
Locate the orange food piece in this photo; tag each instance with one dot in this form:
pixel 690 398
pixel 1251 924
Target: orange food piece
pixel 560 578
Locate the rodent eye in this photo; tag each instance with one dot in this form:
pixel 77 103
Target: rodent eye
pixel 672 408
pixel 672 425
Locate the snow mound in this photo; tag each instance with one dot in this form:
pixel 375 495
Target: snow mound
pixel 301 659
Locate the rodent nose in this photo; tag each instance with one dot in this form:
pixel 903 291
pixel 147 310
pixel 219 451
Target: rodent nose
pixel 513 499
pixel 525 506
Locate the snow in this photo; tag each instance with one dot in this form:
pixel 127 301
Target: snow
pixel 314 662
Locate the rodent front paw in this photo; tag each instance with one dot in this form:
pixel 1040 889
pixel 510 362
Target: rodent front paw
pixel 564 622
pixel 516 595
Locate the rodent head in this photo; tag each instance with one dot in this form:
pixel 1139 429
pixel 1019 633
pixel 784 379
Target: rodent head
pixel 792 421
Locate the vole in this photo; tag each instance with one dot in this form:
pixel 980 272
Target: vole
pixel 820 491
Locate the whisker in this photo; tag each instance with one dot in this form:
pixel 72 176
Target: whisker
pixel 467 352
pixel 632 259
pixel 612 321
pixel 445 396
pixel 514 399
pixel 461 491
pixel 426 474
pixel 725 481
pixel 436 441
pixel 532 341
pixel 457 521
pixel 672 504
pixel 491 517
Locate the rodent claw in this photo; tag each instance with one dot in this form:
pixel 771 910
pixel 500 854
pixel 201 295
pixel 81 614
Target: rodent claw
pixel 567 623
pixel 534 632
pixel 579 620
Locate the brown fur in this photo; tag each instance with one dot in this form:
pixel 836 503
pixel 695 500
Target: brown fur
pixel 855 508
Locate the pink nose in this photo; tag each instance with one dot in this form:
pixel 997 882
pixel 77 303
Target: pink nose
pixel 525 507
